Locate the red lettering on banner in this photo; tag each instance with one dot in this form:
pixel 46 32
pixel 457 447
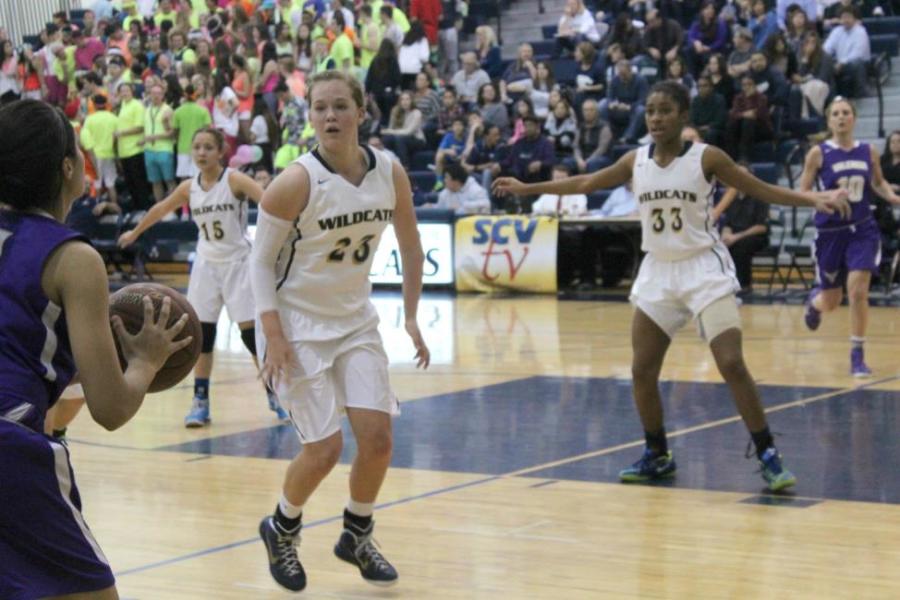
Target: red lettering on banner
pixel 513 266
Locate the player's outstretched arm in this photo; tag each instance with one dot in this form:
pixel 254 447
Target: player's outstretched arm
pixel 175 200
pixel 281 204
pixel 610 177
pixel 243 186
pixel 75 278
pixel 719 165
pixel 879 183
pixel 412 257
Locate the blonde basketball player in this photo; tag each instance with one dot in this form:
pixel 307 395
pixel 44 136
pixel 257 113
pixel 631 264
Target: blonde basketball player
pixel 217 198
pixel 687 271
pixel 320 222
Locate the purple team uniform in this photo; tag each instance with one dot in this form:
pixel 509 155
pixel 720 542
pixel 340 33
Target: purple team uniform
pixel 852 244
pixel 46 548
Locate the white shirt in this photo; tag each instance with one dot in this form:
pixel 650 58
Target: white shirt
pixel 470 199
pixel 620 203
pixel 413 57
pixel 847 46
pixel 225 103
pixel 675 204
pixel 554 204
pixel 260 129
pixel 221 219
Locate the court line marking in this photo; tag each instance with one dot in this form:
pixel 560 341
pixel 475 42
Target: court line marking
pixel 511 474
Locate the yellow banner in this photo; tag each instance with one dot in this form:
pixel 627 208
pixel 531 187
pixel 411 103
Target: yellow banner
pixel 510 252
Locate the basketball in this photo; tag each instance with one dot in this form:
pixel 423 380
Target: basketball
pixel 127 304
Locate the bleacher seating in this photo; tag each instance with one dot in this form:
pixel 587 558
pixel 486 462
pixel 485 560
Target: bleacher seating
pixel 881 25
pixel 544 49
pixel 888 43
pixel 596 200
pixel 549 31
pixel 564 70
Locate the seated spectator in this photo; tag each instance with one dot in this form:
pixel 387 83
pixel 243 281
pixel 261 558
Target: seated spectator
pixel 589 79
pixel 723 83
pixel 520 69
pixel 404 134
pixel 468 80
pixel 576 257
pixel 483 156
pixel 377 143
pixel 561 128
pixel 488 51
pixel 812 83
pixel 662 38
pixel 627 36
pixel 677 71
pixel 832 13
pixel 745 232
pixel 537 90
pixel 450 110
pixel 779 55
pixel 890 160
pixel 796 27
pixel 462 194
pixel 623 106
pixel 451 148
pixel 592 141
pixel 621 203
pixel 748 121
pixel 809 8
pixel 576 25
pixel 707 35
pixel 849 46
pixel 530 158
pixel 763 23
pixel 492 111
pixel 739 59
pixel 708 112
pixel 769 82
pixel 522 109
pixel 427 100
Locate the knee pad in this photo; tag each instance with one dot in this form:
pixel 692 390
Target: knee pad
pixel 209 337
pixel 718 317
pixel 248 336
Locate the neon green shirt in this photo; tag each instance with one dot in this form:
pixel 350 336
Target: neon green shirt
pixel 159 17
pixel 188 118
pixel 97 134
pixel 400 19
pixel 131 115
pixel 154 117
pixel 342 50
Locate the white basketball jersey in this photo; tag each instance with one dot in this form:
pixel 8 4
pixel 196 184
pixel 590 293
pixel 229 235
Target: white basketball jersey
pixel 675 204
pixel 221 219
pixel 322 273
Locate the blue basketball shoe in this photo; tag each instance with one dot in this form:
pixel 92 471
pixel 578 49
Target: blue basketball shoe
pixel 650 467
pixel 812 316
pixel 776 476
pixel 858 367
pixel 198 416
pixel 357 547
pixel 281 548
pixel 275 406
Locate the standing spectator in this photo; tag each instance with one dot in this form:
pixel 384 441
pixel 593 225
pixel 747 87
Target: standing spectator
pixel 662 38
pixel 448 39
pixel 483 157
pixel 745 232
pixel 87 48
pixel 242 85
pixel 623 106
pixel 462 194
pixel 709 114
pixel 468 80
pixel 404 134
pixel 413 55
pixel 849 46
pixel 890 160
pixel 492 111
pixel 763 23
pixel 341 50
pixel 369 36
pixel 577 24
pixel 383 79
pixel 592 140
pixel 129 137
pixel 98 138
pixel 390 30
pixel 530 158
pixel 561 128
pixel 748 122
pixel 225 112
pixel 428 13
pixel 707 35
pixel 187 120
pixel 159 144
pixel 9 82
pixel 263 132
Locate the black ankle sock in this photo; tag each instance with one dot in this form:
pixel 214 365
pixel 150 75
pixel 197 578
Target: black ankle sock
pixel 59 433
pixel 656 441
pixel 356 522
pixel 762 439
pixel 287 524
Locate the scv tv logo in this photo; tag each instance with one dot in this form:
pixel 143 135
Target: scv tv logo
pixel 497 234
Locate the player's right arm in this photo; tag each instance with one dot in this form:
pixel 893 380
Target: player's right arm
pixel 610 177
pixel 177 199
pixel 75 278
pixel 281 204
pixel 811 165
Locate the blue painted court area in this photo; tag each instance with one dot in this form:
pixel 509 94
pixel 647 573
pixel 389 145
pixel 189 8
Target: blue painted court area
pixel 842 447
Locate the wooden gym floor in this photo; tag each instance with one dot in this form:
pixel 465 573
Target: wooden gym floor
pixel 503 482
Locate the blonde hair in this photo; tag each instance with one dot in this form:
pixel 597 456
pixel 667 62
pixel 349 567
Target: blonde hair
pixel 490 38
pixel 356 89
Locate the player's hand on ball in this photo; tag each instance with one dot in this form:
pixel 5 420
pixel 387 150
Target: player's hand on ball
pixel 508 185
pixel 423 355
pixel 154 343
pixel 834 201
pixel 279 360
pixel 127 239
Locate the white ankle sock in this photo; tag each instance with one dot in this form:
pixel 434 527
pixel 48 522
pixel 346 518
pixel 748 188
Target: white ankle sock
pixel 856 341
pixel 291 511
pixel 360 509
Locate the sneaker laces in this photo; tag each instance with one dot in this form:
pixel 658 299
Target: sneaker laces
pixel 197 404
pixel 286 553
pixel 750 452
pixel 367 553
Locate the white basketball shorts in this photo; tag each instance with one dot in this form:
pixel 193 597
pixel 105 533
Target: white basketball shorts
pixel 673 292
pixel 185 167
pixel 331 376
pixel 216 284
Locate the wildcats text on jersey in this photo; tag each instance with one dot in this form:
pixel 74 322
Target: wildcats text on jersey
pixel 202 210
pixel 361 216
pixel 654 195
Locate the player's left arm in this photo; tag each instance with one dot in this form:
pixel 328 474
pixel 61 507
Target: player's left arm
pixel 719 165
pixel 244 187
pixel 879 184
pixel 412 257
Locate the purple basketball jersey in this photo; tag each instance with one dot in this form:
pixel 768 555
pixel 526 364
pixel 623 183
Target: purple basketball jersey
pixel 36 361
pixel 852 171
